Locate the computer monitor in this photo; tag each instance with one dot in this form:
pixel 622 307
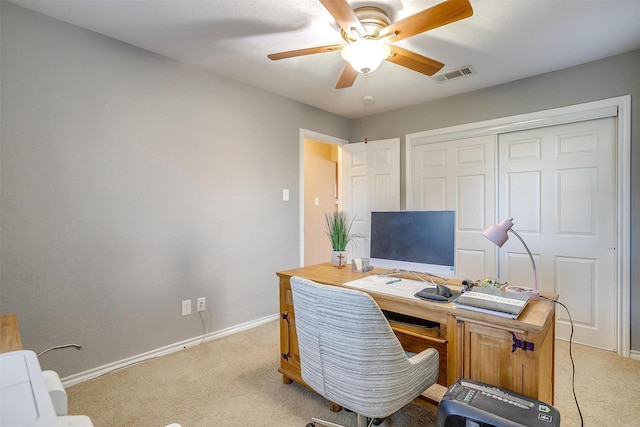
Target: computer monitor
pixel 419 241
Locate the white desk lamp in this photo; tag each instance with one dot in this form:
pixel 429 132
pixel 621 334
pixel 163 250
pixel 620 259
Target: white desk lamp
pixel 497 234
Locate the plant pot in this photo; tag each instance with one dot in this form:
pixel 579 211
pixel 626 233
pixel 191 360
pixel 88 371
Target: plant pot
pixel 339 258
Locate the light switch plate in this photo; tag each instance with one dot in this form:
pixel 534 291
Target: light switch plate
pixel 186 307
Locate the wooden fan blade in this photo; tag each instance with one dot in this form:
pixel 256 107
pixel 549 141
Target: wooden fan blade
pixel 344 16
pixel 414 61
pixel 434 17
pixel 307 51
pixel 347 78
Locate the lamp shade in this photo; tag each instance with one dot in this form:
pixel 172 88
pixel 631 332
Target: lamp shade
pixel 497 233
pixel 366 55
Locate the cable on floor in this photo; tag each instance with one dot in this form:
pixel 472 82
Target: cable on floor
pixel 573 366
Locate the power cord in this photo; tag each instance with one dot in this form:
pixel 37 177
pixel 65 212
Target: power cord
pixel 205 331
pixel 573 366
pixel 59 346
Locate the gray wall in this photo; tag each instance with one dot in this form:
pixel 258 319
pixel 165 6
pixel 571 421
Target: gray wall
pixel 607 78
pixel 131 182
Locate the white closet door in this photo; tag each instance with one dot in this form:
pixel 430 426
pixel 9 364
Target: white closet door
pixel 370 182
pixel 459 175
pixel 558 184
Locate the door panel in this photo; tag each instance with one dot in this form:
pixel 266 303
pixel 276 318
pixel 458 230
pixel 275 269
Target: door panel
pixel 371 181
pixel 459 175
pixel 558 185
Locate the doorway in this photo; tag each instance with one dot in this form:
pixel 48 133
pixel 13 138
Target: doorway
pixel 357 178
pixel 319 163
pixel 320 196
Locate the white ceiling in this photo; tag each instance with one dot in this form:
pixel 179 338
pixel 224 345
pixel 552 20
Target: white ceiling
pixel 504 40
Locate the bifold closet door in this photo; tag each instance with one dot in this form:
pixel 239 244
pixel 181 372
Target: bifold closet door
pixel 559 185
pixel 459 175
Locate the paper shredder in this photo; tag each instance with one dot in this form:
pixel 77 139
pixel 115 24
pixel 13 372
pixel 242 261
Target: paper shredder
pixel 469 403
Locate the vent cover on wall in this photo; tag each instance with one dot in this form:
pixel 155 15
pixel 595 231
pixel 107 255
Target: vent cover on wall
pixel 451 75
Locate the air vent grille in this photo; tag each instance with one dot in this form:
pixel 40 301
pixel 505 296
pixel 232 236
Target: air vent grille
pixel 455 74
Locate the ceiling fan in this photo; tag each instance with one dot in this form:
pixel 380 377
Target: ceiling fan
pixel 369 34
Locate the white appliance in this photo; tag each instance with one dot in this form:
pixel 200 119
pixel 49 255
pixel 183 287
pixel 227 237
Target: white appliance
pixel 25 399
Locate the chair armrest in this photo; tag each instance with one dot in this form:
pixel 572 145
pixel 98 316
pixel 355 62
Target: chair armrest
pixel 423 356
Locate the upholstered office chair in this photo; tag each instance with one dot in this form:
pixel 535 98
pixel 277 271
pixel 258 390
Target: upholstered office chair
pixel 350 355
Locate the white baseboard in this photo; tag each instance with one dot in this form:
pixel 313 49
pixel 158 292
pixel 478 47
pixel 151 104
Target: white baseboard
pixel 634 354
pixel 162 351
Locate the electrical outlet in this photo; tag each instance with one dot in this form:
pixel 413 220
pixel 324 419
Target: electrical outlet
pixel 201 304
pixel 186 307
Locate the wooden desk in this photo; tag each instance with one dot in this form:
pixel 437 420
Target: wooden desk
pixel 9 333
pixel 471 344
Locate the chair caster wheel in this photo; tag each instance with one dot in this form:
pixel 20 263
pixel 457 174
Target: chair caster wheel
pixel 311 425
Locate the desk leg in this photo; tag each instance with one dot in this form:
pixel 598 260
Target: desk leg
pixel 455 348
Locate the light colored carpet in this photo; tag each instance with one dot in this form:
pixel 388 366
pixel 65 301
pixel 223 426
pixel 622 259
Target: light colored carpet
pixel 233 381
pixel 607 387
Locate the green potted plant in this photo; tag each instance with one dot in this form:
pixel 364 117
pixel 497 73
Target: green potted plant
pixel 338 228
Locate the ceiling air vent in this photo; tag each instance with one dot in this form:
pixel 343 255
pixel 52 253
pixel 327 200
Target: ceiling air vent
pixel 451 75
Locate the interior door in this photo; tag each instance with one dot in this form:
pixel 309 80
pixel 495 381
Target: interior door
pixel 459 175
pixel 370 179
pixel 558 183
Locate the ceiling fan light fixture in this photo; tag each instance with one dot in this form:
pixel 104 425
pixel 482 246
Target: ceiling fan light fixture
pixel 366 55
